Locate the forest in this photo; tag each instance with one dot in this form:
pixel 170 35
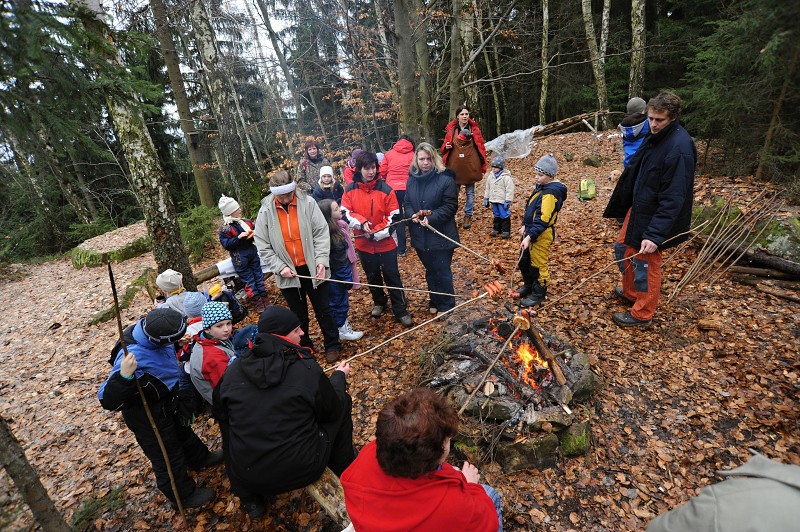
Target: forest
pixel 104 106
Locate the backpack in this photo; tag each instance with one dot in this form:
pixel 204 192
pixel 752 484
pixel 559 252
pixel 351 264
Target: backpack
pixel 587 190
pixel 127 334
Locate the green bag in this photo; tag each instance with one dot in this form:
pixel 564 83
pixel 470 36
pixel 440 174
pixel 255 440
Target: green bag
pixel 587 190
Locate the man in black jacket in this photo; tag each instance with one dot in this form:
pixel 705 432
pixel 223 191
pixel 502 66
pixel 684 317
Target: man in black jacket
pixel 282 419
pixel 654 194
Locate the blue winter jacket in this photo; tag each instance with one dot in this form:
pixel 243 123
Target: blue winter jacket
pixel 157 370
pixel 633 135
pixel 229 238
pixel 541 209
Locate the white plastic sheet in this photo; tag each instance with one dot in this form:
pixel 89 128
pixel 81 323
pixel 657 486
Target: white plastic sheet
pixel 514 145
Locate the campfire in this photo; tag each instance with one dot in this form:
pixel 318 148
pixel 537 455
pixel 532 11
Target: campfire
pixel 521 411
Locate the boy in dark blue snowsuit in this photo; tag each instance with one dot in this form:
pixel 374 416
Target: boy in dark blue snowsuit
pixel 151 360
pixel 236 236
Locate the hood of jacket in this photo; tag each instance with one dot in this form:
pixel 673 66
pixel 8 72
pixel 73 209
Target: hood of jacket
pixel 265 365
pixel 403 146
pixel 359 179
pixel 556 188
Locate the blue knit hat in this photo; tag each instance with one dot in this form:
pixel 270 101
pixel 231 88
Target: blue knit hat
pixel 547 165
pixel 499 161
pixel 214 312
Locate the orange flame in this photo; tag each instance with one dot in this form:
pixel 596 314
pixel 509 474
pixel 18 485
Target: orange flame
pixel 530 358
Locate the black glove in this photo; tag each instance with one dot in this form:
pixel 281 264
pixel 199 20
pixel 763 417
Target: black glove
pixel 189 403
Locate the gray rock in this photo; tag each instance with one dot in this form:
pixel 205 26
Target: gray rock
pixel 532 453
pixel 555 415
pixel 586 382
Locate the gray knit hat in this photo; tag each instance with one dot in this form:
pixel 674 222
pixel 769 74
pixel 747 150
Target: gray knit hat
pixel 193 304
pixel 214 312
pixel 227 205
pixel 547 165
pixel 164 326
pixel 498 161
pixel 636 105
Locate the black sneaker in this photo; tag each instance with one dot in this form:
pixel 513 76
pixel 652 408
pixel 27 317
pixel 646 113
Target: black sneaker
pixel 199 497
pixel 254 509
pixel 626 319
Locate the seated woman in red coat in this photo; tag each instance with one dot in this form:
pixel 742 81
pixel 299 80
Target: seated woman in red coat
pixel 401 482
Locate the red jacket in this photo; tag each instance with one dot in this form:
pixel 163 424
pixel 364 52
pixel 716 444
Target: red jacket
pixel 441 500
pixel 452 130
pixel 395 164
pixel 372 202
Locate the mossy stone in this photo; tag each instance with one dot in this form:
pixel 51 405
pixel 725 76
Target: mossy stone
pixel 575 439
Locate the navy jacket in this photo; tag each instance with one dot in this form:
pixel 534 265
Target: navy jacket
pixel 437 192
pixel 229 238
pixel 541 209
pixel 658 188
pixel 334 193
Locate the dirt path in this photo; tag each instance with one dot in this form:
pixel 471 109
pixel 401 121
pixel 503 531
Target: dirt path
pixel 678 403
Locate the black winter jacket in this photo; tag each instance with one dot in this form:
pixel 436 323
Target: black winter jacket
pixel 270 403
pixel 658 188
pixel 437 192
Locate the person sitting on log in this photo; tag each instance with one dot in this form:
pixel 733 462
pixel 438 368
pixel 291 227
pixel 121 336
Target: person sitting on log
pixel 283 421
pixel 401 480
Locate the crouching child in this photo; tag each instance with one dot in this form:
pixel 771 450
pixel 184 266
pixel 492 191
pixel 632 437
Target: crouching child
pixel 151 360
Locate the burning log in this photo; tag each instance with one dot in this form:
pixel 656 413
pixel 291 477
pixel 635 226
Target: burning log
pixel 552 361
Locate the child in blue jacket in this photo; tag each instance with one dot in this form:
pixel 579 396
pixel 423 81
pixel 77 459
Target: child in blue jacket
pixel 237 237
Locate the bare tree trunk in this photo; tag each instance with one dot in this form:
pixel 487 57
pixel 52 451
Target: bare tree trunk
pixel 468 72
pixel 406 67
pixel 287 73
pixel 167 46
pixel 419 34
pixel 455 58
pixel 13 460
pixel 487 60
pixel 598 66
pixel 148 180
pixel 230 145
pixel 545 61
pixel 776 111
pixel 638 36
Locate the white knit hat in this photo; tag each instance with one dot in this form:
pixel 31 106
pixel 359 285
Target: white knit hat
pixel 169 281
pixel 326 170
pixel 227 205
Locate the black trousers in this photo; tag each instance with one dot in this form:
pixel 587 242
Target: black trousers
pixel 185 450
pixel 439 275
pixel 382 269
pixel 320 301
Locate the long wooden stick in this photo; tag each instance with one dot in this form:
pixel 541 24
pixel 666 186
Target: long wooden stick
pixel 147 410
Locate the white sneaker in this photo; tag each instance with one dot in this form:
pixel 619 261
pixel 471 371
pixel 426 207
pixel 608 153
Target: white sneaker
pixel 346 332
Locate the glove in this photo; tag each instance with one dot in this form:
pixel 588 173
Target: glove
pixel 485 202
pixel 188 406
pixel 507 205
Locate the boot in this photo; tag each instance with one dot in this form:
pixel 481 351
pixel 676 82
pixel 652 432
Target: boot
pixel 525 290
pixel 467 221
pixel 496 226
pixel 505 227
pixel 538 294
pixel 346 332
pixel 199 497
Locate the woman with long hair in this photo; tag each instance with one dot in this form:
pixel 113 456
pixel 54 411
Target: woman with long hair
pixel 464 152
pixel 432 199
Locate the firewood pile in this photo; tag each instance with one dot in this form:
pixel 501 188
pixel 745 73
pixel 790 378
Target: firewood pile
pixel 522 413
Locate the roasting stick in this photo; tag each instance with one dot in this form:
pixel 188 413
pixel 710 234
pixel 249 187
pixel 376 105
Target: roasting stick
pixel 371 349
pixel 460 296
pixel 612 263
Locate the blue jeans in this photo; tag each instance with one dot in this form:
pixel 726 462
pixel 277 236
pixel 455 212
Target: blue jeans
pixel 339 294
pixel 439 276
pixel 498 503
pixel 469 206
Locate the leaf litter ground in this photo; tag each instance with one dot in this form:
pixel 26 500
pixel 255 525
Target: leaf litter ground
pixel 678 403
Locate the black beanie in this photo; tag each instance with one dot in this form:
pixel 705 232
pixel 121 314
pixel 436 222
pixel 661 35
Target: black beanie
pixel 278 320
pixel 164 325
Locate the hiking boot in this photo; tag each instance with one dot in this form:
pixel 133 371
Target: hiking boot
pixel 199 497
pixel 506 235
pixel 406 320
pixel 494 232
pixel 346 332
pixel 467 221
pixel 525 290
pixel 332 355
pixel 377 310
pixel 255 508
pixel 213 458
pixel 532 301
pixel 621 295
pixel 626 319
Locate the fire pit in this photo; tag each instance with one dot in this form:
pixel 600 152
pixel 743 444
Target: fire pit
pixel 521 414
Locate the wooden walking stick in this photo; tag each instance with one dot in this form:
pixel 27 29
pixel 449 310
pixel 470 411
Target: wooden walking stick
pixel 144 401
